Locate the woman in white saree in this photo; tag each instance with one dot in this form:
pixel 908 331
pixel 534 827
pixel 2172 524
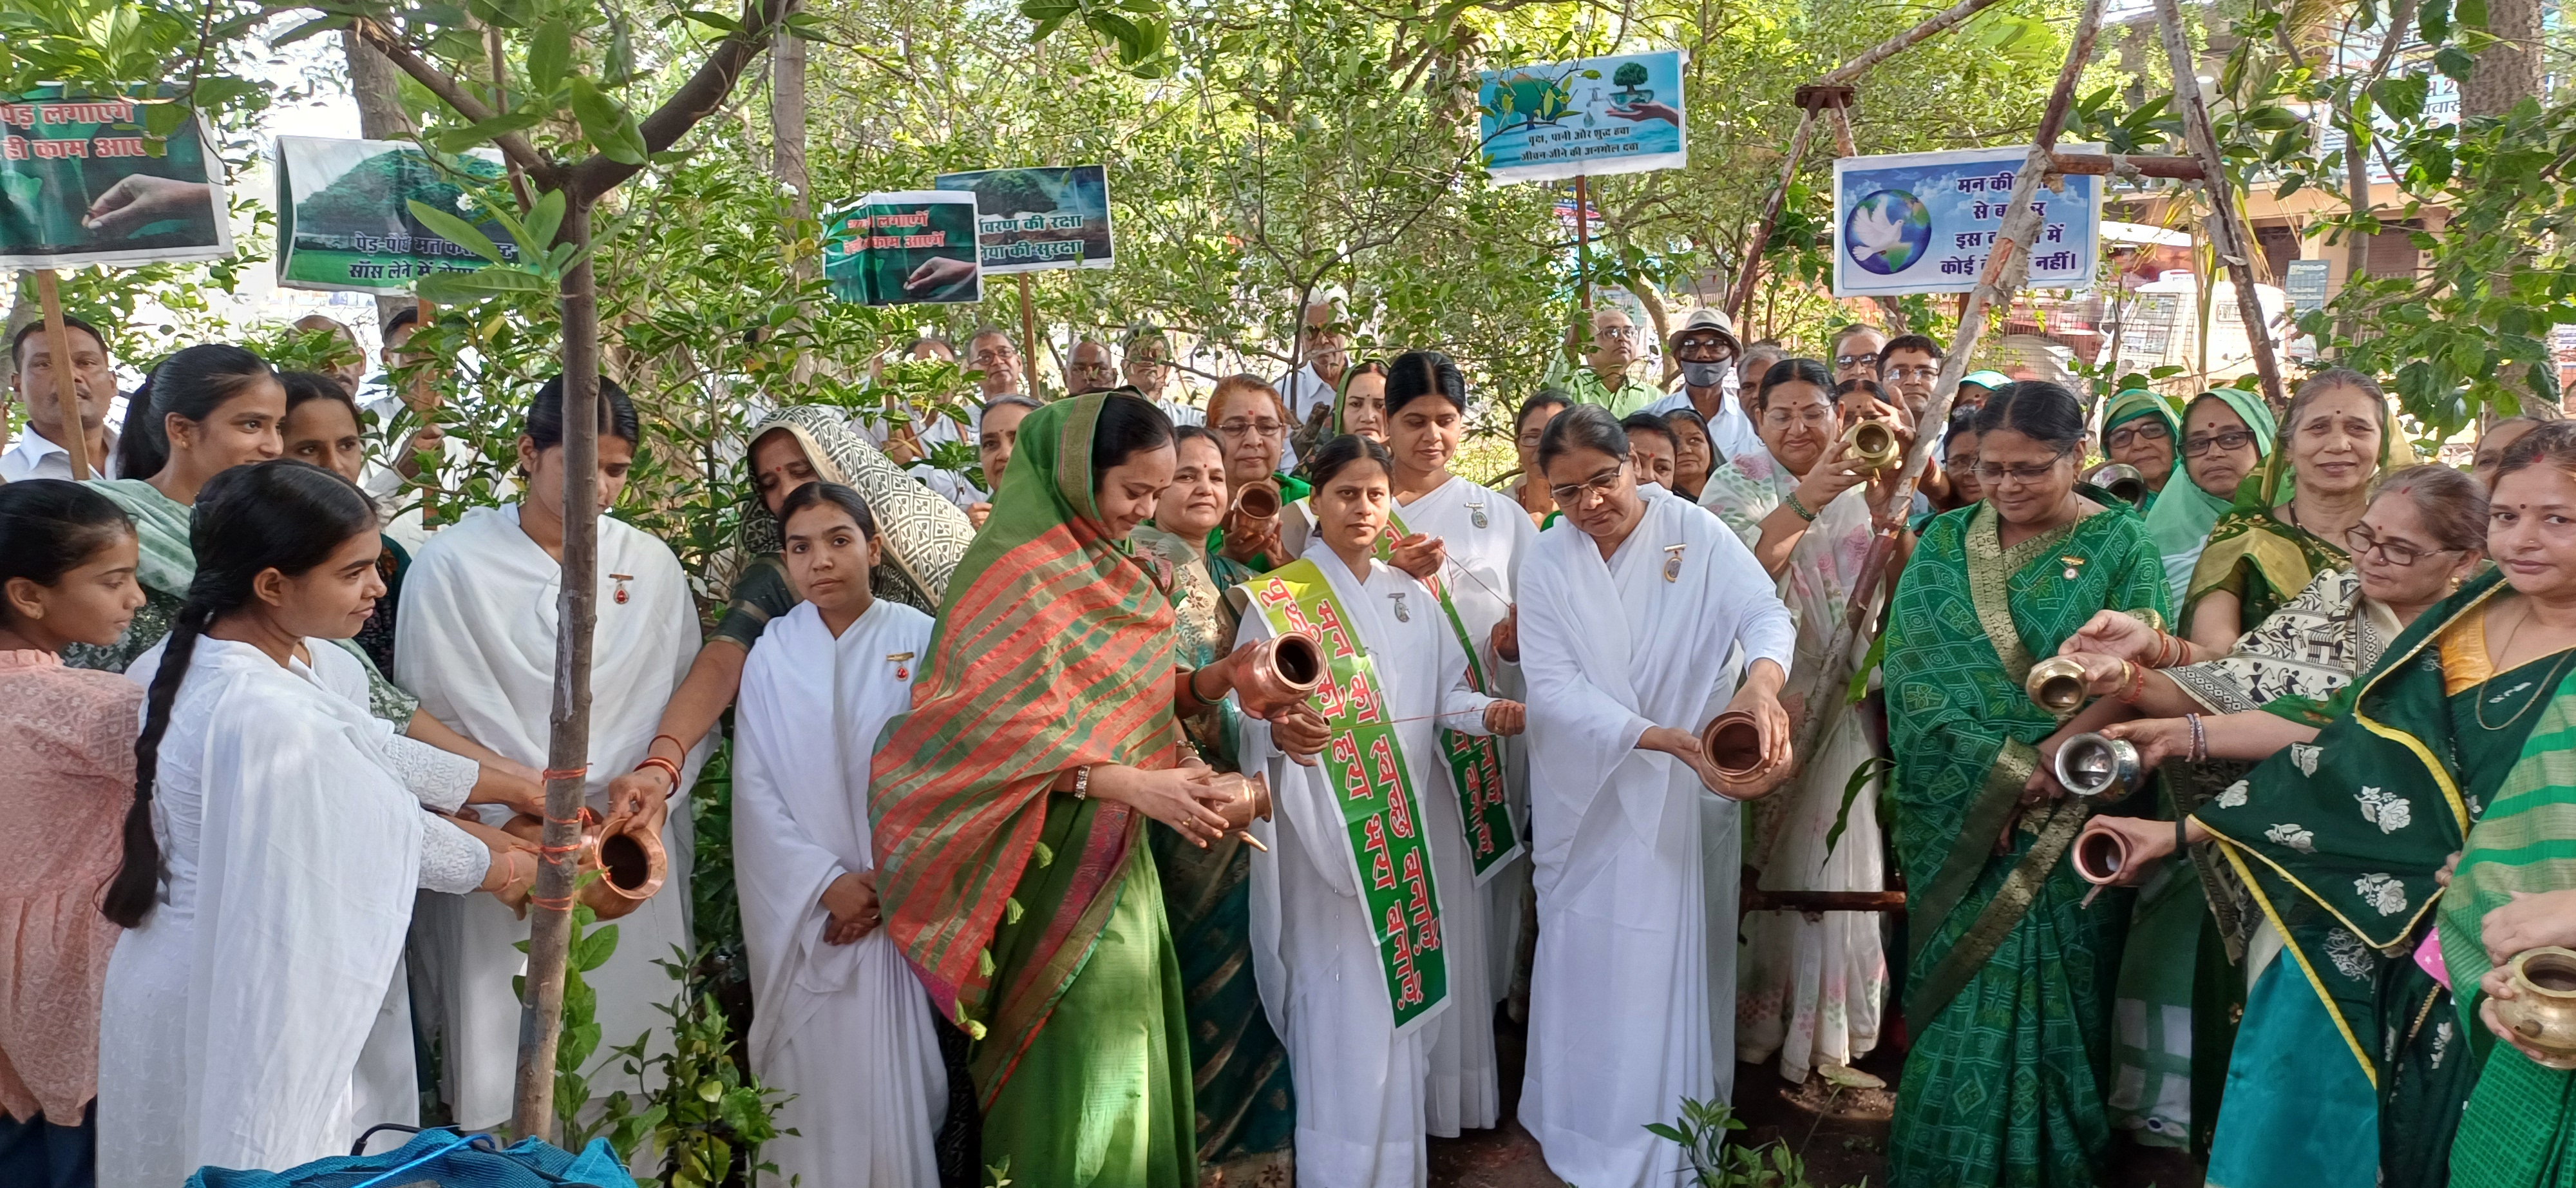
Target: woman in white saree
pixel 838 1019
pixel 1361 1051
pixel 476 642
pixel 254 1015
pixel 1813 983
pixel 1629 610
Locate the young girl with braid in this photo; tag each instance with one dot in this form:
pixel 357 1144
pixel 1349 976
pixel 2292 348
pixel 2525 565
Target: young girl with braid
pixel 255 1014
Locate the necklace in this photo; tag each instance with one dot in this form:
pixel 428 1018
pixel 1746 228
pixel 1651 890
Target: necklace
pixel 2542 691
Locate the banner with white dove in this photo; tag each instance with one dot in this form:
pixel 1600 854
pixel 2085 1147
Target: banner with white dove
pixel 1925 223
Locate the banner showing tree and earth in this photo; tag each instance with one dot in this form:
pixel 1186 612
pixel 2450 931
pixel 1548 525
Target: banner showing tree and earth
pixel 1925 223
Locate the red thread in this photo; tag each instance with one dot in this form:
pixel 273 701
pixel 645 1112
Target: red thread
pixel 552 905
pixel 569 773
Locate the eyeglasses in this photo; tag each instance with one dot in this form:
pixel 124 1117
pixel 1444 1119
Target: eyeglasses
pixel 1814 416
pixel 991 355
pixel 2361 540
pixel 1992 475
pixel 2122 439
pixel 1696 344
pixel 1600 484
pixel 1239 427
pixel 1926 372
pixel 1963 464
pixel 2230 440
pixel 1094 369
pixel 1868 360
pixel 1616 333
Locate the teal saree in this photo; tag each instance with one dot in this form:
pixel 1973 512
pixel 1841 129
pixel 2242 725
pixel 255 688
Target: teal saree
pixel 2009 978
pixel 2339 841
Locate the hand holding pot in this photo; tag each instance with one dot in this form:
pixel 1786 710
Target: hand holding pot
pixel 2120 851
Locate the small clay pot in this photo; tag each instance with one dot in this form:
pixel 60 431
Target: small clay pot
pixel 1733 743
pixel 1245 799
pixel 1279 672
pixel 2101 855
pixel 2090 765
pixel 2056 684
pixel 2542 1011
pixel 632 862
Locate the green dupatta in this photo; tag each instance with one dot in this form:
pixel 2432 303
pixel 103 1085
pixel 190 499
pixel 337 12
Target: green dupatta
pixel 2520 1127
pixel 1053 651
pixel 2339 839
pixel 2266 560
pixel 2132 405
pixel 2183 513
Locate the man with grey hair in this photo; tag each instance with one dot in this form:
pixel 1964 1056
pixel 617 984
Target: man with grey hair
pixel 1324 339
pixel 992 353
pixel 1149 370
pixel 1607 345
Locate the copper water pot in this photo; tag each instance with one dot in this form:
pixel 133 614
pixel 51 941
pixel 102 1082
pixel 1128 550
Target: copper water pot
pixel 2056 684
pixel 2542 1011
pixel 1243 799
pixel 630 860
pixel 1279 672
pixel 1253 510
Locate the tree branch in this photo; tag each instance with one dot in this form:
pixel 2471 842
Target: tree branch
pixel 514 145
pixel 694 101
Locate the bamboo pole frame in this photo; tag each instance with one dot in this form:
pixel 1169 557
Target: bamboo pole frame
pixel 2227 231
pixel 58 343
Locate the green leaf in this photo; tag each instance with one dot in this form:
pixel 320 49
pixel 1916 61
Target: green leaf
pixel 713 20
pixel 594 949
pixel 2433 21
pixel 309 28
pixel 549 55
pixel 606 122
pixel 2472 13
pixel 454 230
pixel 543 221
pixel 2453 62
pixel 457 140
pixel 2402 98
pixel 466 288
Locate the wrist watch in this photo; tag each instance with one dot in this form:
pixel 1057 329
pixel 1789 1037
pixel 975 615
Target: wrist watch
pixel 1082 782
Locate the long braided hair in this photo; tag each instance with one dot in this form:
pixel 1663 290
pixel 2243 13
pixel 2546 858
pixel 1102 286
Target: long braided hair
pixel 283 515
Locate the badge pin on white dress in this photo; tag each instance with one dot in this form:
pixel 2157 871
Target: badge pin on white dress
pixel 1402 614
pixel 902 667
pixel 1477 510
pixel 620 593
pixel 1673 561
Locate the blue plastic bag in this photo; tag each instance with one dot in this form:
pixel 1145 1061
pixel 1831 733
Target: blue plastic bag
pixel 441 1159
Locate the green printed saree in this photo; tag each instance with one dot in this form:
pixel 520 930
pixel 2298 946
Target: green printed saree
pixel 2520 1127
pixel 1034 918
pixel 2009 979
pixel 2339 840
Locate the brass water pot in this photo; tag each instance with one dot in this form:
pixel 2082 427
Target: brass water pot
pixel 2056 684
pixel 2542 1010
pixel 1873 444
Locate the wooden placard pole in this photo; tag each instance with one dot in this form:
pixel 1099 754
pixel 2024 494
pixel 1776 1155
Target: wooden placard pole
pixel 2226 232
pixel 58 344
pixel 429 517
pixel 1028 338
pixel 1583 242
pixel 2006 268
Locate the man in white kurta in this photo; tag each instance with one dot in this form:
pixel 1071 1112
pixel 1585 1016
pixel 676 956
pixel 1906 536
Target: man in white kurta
pixel 845 1028
pixel 1363 1087
pixel 476 643
pixel 1632 991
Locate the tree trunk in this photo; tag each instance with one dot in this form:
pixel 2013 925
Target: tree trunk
pixel 2507 70
pixel 787 109
pixel 568 745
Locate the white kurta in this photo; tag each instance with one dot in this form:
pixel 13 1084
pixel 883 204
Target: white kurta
pixel 235 1020
pixel 845 1028
pixel 1365 1096
pixel 1484 562
pixel 476 643
pixel 1632 994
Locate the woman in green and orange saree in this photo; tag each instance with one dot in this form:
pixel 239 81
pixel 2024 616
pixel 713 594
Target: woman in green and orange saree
pixel 2009 978
pixel 1010 808
pixel 2341 839
pixel 2289 519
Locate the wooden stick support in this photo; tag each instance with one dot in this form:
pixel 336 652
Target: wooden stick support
pixel 2122 165
pixel 58 344
pixel 1583 241
pixel 2227 232
pixel 2006 268
pixel 1751 270
pixel 1028 339
pixel 429 516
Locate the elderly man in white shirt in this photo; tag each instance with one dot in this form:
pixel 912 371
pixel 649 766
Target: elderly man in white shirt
pixel 39 451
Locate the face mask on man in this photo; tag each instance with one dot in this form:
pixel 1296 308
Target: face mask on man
pixel 1705 375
